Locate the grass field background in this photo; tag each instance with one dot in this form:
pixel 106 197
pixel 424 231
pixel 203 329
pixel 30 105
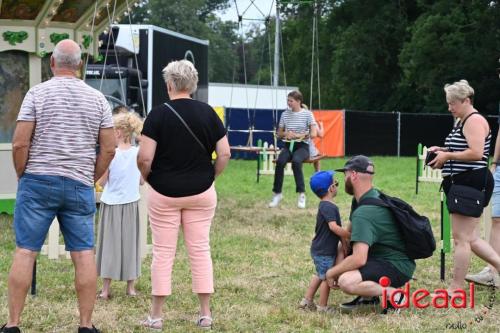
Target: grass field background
pixel 262 268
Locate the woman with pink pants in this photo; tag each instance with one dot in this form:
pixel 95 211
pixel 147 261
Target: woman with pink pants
pixel 175 157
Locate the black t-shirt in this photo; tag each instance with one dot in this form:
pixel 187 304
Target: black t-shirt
pixel 181 167
pixel 325 241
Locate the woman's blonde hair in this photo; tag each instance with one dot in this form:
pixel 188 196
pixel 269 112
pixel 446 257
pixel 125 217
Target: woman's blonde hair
pixel 459 91
pixel 182 75
pixel 129 123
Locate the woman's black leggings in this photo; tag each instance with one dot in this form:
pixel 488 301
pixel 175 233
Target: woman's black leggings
pixel 299 155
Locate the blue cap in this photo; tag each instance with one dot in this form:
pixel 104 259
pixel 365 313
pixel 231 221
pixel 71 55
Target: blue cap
pixel 321 181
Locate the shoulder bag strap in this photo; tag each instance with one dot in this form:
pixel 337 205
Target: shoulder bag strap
pixel 186 126
pixel 462 122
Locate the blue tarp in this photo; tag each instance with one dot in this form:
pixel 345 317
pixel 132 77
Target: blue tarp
pixel 243 119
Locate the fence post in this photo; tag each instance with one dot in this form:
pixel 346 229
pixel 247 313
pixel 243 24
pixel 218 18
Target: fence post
pixel 419 152
pixel 399 132
pixel 53 240
pixel 445 234
pixel 33 280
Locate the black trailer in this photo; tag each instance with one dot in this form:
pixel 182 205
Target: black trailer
pixel 131 61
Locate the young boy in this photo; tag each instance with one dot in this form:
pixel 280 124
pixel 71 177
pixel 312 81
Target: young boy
pixel 324 247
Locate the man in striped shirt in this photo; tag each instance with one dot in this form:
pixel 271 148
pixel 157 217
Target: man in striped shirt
pixel 54 152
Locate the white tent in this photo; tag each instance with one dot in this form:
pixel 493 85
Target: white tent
pixel 248 96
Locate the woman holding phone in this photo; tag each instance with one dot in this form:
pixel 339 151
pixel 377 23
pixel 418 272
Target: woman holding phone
pixel 464 160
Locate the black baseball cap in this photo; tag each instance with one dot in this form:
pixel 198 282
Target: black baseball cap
pixel 359 163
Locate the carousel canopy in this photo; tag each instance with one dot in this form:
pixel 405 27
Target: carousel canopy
pixel 36 26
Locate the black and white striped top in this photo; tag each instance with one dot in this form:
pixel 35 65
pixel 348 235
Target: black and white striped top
pixel 456 142
pixel 68 115
pixel 298 122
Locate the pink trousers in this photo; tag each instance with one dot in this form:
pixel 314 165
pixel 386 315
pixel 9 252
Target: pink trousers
pixel 194 213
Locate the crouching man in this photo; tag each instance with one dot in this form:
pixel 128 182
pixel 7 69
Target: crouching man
pixel 377 244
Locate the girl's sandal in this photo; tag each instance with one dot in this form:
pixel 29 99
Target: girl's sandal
pixel 101 296
pixel 154 324
pixel 204 322
pixel 134 294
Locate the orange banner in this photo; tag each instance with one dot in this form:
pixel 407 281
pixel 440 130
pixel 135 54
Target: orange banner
pixel 332 142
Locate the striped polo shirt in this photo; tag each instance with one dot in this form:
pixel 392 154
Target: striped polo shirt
pixel 298 122
pixel 68 115
pixel 456 142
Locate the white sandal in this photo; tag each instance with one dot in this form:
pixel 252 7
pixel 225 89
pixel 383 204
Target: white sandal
pixel 154 324
pixel 202 325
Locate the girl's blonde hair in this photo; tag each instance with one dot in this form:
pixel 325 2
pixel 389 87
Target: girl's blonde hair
pixel 129 123
pixel 459 91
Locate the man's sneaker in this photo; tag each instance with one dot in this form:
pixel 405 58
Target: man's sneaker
pixel 306 304
pixel 13 329
pixel 301 202
pixel 276 200
pixel 486 277
pixel 361 304
pixel 88 330
pixel 389 308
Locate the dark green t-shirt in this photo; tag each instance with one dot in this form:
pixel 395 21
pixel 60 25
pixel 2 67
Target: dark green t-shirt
pixel 376 227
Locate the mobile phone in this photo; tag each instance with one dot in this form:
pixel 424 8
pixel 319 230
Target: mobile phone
pixel 430 156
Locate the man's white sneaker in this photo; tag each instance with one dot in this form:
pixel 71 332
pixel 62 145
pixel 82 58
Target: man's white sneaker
pixel 301 202
pixel 486 277
pixel 276 200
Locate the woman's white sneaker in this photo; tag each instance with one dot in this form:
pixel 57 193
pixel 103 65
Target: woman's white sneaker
pixel 301 202
pixel 486 277
pixel 276 200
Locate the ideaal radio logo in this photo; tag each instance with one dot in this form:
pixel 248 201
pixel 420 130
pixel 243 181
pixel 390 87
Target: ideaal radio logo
pixel 440 299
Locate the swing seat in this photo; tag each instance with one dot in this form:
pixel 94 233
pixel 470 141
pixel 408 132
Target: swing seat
pixel 311 159
pixel 314 158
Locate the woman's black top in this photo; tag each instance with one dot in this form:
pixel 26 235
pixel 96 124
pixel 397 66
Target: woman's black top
pixel 181 167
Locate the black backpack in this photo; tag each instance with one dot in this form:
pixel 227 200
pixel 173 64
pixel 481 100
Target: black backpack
pixel 416 229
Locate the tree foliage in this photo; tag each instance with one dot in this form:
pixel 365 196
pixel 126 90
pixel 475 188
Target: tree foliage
pixel 196 18
pixel 396 55
pixel 450 42
pixel 373 54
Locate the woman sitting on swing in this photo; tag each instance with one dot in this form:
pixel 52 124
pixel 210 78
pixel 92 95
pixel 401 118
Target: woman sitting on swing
pixel 296 127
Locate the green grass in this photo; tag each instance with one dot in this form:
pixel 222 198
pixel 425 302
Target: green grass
pixel 262 268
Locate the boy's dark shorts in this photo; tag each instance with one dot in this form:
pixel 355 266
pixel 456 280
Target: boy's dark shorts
pixel 375 268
